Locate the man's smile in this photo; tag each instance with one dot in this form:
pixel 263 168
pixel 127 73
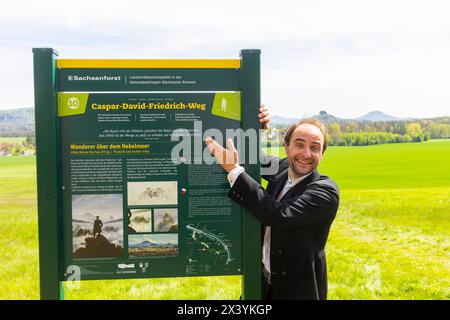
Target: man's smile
pixel 303 162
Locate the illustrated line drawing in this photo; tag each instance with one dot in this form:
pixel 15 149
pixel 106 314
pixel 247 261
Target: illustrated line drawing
pixel 214 238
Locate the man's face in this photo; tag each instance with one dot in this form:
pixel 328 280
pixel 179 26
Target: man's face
pixel 304 151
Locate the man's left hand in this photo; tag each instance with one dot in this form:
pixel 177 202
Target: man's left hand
pixel 227 158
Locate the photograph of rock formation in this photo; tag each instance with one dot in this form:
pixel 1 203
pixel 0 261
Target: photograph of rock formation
pixel 97 226
pixel 166 220
pixel 140 220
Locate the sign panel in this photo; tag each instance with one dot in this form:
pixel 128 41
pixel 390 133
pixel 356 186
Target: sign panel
pixel 138 199
pixel 124 186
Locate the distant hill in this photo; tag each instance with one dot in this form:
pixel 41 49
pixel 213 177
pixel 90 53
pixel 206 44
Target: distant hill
pixel 377 116
pixel 147 244
pixel 322 116
pixel 144 244
pixel 327 118
pixel 17 122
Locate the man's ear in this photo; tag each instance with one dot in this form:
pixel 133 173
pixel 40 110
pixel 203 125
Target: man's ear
pixel 286 148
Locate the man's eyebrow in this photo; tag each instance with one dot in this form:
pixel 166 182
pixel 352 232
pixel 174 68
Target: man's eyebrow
pixel 303 140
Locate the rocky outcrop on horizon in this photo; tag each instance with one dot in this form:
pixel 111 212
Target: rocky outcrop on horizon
pixel 98 247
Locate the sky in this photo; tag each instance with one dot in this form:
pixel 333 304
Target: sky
pixel 346 57
pixel 106 206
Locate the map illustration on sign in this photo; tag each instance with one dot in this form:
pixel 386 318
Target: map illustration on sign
pixel 202 241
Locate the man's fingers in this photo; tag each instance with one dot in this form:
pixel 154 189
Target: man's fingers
pixel 212 145
pixel 227 158
pixel 264 120
pixel 230 145
pixel 263 114
pixel 230 152
pixel 216 149
pixel 209 144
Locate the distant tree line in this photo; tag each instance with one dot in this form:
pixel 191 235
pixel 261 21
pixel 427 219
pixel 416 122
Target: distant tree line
pixel 18 148
pixel 368 133
pixel 362 133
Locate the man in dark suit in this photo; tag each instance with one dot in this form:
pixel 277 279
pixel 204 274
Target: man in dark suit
pixel 296 210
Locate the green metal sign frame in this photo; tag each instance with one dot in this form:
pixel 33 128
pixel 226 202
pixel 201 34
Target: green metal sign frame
pixel 49 187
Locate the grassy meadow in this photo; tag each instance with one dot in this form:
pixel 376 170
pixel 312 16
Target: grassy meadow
pixel 390 240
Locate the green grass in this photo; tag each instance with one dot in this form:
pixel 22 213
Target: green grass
pixel 408 165
pixel 389 166
pixel 391 244
pixel 390 240
pixel 196 288
pixel 18 229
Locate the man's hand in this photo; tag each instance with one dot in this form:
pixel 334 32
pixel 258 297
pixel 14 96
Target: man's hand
pixel 264 117
pixel 227 158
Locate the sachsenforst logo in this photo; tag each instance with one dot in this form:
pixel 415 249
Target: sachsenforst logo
pixel 73 103
pixel 94 78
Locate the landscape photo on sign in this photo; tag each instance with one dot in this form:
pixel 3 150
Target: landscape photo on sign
pixel 166 220
pixel 97 225
pixel 152 193
pixel 139 220
pixel 151 245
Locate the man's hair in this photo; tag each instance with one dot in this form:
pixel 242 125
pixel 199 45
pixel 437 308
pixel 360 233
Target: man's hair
pixel 312 121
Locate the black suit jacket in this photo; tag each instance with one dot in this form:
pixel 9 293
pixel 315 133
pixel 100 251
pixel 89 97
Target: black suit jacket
pixel 300 223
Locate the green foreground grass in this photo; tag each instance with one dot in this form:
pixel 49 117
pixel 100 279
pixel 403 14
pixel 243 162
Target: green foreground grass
pixel 390 240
